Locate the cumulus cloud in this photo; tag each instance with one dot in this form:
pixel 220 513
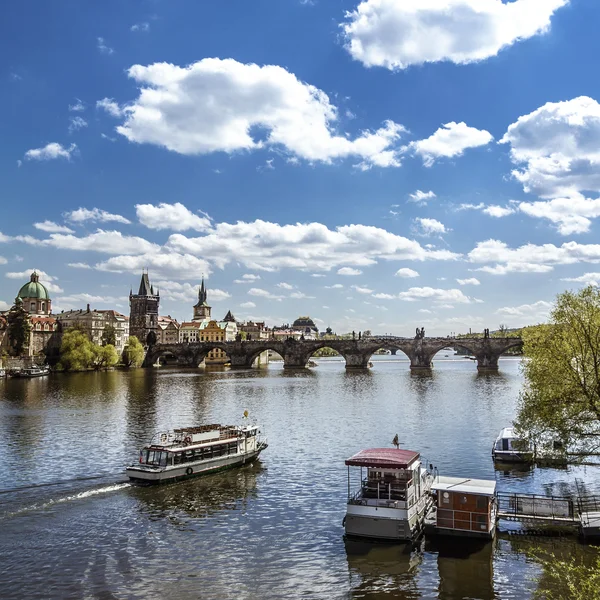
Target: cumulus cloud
pixel 95 214
pixel 260 293
pixel 248 305
pixel 434 294
pixel 76 123
pixel 285 286
pixel 499 259
pixel 421 197
pixel 395 35
pixel 335 286
pixel 300 295
pixel 78 106
pixel 362 290
pixel 3 260
pixel 171 216
pixel 103 47
pixel 349 271
pixel 52 227
pixel 557 150
pixel 409 273
pixel 223 105
pixel 429 227
pixel 265 246
pixel 110 106
pixel 144 26
pixel 450 140
pixel 492 210
pixel 471 281
pixel 526 314
pixel 74 301
pixel 51 151
pixel 48 280
pixel 247 278
pixel 586 279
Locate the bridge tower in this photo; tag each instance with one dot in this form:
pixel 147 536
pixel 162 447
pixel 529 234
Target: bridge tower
pixel 143 312
pixel 202 310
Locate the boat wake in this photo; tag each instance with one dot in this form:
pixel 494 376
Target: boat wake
pixel 80 496
pixel 50 484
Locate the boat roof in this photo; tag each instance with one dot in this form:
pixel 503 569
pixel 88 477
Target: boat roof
pixel 481 487
pixel 508 433
pixel 387 458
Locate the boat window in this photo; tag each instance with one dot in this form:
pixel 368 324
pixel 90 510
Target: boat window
pixel 482 502
pixel 505 444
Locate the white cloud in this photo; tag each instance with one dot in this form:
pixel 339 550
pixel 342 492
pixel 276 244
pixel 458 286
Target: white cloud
pixel 471 281
pixel 79 106
pixel 79 265
pixel 429 227
pixel 247 278
pixel 248 305
pixel 3 261
pixel 409 273
pixel 310 247
pixel 492 210
pixel 421 197
pixel 161 263
pixel 4 305
pixel 396 34
pixel 110 106
pixel 586 279
pixel 317 275
pixel 76 123
pixel 530 258
pixel 171 216
pixel 260 293
pixel 216 105
pixel 45 278
pixel 557 148
pixel 349 271
pixel 384 296
pixel 425 311
pixel 51 151
pixel 450 140
pixel 436 295
pixel 102 47
pixel 74 301
pixel 285 286
pixel 300 295
pixel 143 26
pixel 362 290
pixel 95 214
pixel 52 227
pixel 335 286
pixel 526 314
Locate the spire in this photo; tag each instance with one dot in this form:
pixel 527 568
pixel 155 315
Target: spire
pixel 202 293
pixel 152 290
pixel 144 285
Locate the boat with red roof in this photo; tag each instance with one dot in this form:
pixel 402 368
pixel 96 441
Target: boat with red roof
pixel 392 499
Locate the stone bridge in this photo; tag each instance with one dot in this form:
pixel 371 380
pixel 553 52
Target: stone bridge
pixel 357 353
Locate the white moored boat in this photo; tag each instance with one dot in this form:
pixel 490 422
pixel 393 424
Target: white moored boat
pixel 192 451
pixel 509 447
pixel 393 499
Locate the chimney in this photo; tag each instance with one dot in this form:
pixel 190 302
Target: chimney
pixel 88 308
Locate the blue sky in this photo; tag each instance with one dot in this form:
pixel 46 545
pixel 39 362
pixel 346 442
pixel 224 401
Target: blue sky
pixel 378 165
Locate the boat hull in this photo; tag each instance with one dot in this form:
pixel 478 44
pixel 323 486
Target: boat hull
pixel 510 456
pixel 192 469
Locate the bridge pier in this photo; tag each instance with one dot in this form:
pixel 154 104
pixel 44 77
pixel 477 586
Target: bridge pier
pixel 357 361
pixel 294 361
pixel 487 363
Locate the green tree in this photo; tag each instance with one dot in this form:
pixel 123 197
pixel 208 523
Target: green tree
pixel 568 579
pixel 105 356
pixel 19 327
pixel 561 397
pixel 77 352
pixel 109 336
pixel 133 353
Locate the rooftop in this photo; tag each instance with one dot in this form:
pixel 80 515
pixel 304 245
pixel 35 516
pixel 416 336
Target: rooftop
pixel 387 458
pixel 481 487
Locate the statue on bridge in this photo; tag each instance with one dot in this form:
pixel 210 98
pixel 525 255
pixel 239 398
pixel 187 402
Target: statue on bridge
pixel 486 334
pixel 420 333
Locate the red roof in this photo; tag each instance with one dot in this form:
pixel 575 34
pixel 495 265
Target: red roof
pixel 388 458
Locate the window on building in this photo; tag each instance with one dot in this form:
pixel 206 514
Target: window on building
pixel 33 306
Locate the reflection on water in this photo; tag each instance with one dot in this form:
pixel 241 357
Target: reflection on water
pixel 73 528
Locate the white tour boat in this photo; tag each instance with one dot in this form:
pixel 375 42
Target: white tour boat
pixel 509 447
pixel 192 451
pixel 393 499
pixel 34 371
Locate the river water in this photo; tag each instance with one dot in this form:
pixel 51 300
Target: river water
pixel 72 527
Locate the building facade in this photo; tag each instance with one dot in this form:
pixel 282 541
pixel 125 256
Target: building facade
pixel 143 313
pixel 168 330
pixel 94 323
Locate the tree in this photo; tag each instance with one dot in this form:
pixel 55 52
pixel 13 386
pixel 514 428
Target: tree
pixel 133 353
pixel 568 579
pixel 77 352
pixel 109 336
pixel 561 397
pixel 105 356
pixel 19 327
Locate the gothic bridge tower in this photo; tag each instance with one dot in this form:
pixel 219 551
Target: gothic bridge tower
pixel 143 312
pixel 202 309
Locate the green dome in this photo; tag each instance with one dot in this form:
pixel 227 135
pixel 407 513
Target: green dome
pixel 34 289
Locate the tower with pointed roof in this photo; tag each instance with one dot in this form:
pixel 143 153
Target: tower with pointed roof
pixel 143 312
pixel 202 309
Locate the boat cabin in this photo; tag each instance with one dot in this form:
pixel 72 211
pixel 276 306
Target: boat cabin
pixel 392 495
pixel 465 507
pixel 510 447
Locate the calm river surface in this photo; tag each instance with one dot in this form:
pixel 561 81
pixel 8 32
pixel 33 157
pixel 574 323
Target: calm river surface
pixel 72 527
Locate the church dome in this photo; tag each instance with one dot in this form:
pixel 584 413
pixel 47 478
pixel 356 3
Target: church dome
pixel 34 289
pixel 305 323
